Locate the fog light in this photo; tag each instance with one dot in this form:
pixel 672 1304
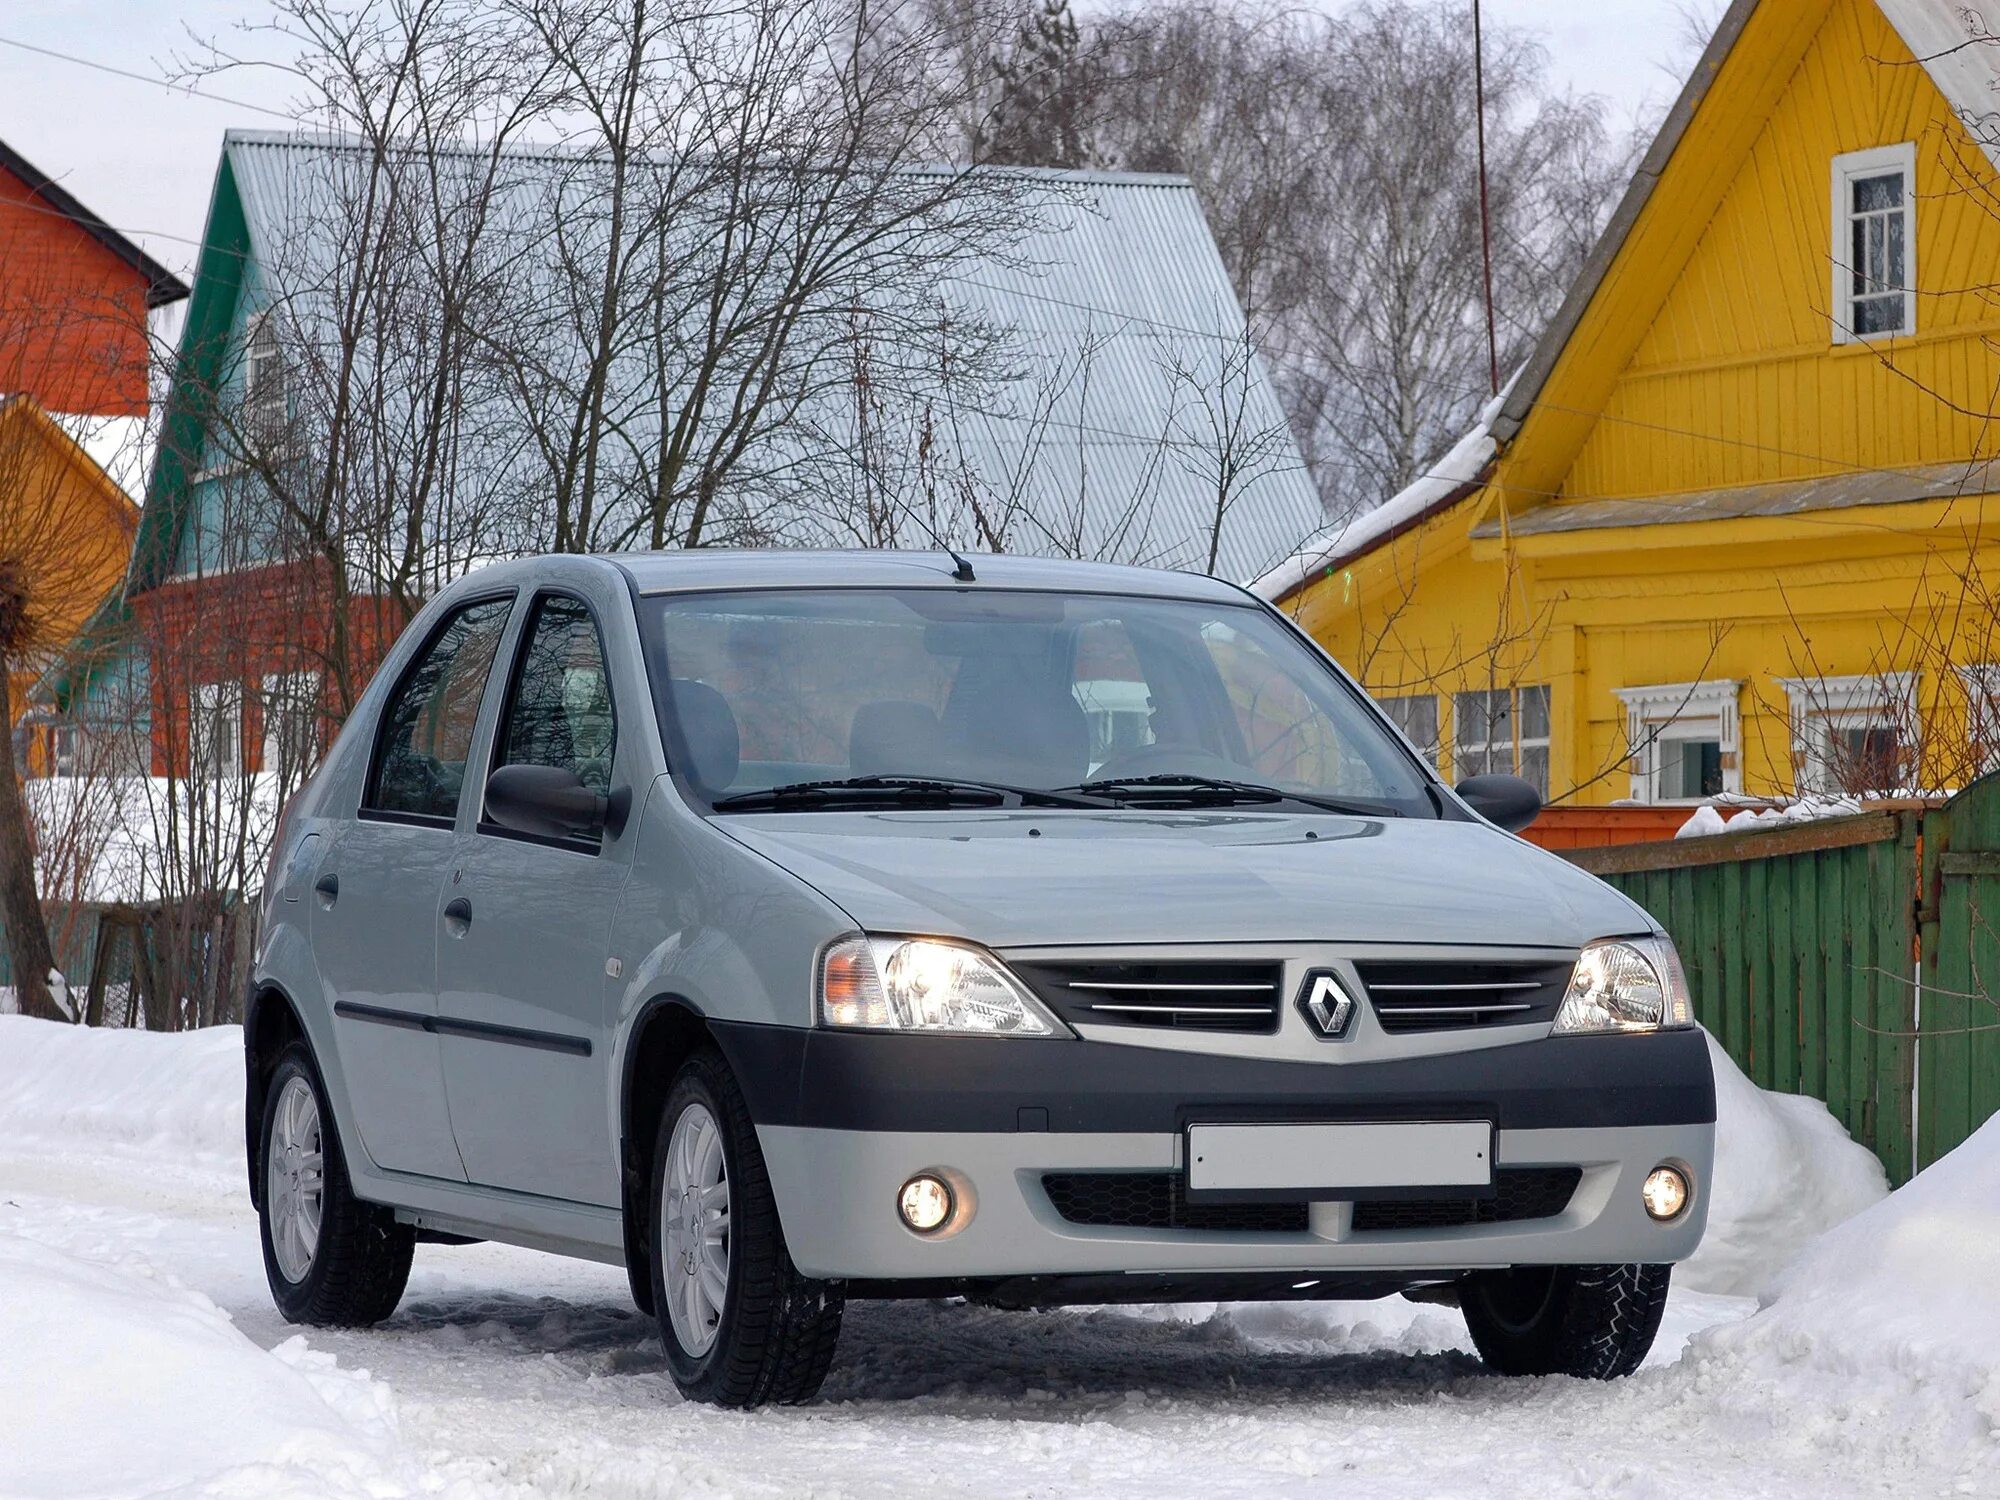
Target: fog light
pixel 1665 1192
pixel 925 1203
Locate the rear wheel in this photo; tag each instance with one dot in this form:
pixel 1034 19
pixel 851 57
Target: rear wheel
pixel 741 1326
pixel 330 1259
pixel 1594 1322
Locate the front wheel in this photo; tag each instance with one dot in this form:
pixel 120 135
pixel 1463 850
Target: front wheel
pixel 330 1258
pixel 741 1326
pixel 1594 1322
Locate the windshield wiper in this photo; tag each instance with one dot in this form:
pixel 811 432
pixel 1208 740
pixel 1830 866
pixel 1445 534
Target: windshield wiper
pixel 945 789
pixel 1175 785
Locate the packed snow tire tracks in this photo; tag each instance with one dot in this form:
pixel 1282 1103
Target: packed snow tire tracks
pixel 779 1328
pixel 362 1260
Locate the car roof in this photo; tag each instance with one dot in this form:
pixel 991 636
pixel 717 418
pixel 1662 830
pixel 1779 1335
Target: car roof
pixel 708 568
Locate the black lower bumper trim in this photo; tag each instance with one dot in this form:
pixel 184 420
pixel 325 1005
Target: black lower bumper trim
pixel 875 1081
pixel 1094 1288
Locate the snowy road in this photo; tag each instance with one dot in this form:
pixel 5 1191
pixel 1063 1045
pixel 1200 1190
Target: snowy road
pixel 517 1373
pixel 509 1373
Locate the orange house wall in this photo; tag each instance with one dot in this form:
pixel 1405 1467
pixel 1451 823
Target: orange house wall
pixel 72 315
pixel 244 627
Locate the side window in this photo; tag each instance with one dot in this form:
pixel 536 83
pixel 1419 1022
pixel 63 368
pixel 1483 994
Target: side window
pixel 560 711
pixel 426 731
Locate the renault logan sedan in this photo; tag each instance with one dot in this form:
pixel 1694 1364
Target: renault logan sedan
pixel 796 927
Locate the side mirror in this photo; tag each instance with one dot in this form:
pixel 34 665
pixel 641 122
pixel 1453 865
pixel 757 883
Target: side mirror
pixel 1506 800
pixel 547 801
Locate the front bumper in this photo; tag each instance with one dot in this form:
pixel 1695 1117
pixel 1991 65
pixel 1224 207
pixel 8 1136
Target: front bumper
pixel 845 1119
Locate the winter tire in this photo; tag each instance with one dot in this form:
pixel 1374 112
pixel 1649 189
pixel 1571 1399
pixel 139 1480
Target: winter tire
pixel 331 1259
pixel 1593 1322
pixel 741 1326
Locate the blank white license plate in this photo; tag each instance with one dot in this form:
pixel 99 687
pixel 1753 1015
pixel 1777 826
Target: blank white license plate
pixel 1320 1158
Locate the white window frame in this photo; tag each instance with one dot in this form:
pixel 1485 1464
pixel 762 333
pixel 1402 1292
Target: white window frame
pixel 290 689
pixel 1519 745
pixel 264 412
pixel 1394 704
pixel 1705 710
pixel 212 727
pixel 1982 711
pixel 1847 169
pixel 1885 700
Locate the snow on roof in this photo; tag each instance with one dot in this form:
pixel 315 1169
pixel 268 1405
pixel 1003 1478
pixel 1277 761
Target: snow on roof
pixel 1443 482
pixel 1956 46
pixel 120 446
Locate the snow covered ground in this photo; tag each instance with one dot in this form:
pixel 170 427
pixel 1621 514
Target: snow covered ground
pixel 140 1354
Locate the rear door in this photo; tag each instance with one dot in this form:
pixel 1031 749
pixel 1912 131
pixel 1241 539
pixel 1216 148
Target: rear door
pixel 523 996
pixel 377 892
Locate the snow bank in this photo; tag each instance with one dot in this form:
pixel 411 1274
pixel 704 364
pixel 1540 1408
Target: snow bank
pixel 178 1401
pixel 129 1086
pixel 1892 1320
pixel 1785 1172
pixel 1463 465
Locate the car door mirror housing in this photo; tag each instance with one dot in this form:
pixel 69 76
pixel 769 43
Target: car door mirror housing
pixel 548 802
pixel 1507 801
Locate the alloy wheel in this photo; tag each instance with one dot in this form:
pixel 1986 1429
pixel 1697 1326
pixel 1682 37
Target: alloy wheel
pixel 694 1229
pixel 295 1179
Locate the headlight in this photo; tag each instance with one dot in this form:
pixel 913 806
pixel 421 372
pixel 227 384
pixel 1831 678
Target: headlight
pixel 1632 984
pixel 921 984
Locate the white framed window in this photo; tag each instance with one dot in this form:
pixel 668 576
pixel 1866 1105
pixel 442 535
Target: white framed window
pixel 1982 714
pixel 1416 714
pixel 291 722
pixel 215 729
pixel 1683 738
pixel 1853 734
pixel 264 408
pixel 1504 730
pixel 65 748
pixel 1875 243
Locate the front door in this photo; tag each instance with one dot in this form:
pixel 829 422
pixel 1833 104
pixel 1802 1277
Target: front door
pixel 377 891
pixel 522 992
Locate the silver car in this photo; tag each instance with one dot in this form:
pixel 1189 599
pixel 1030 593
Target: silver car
pixel 796 927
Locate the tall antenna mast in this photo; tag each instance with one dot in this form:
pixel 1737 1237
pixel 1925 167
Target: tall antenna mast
pixel 1485 210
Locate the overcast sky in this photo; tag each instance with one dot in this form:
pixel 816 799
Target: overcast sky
pixel 143 157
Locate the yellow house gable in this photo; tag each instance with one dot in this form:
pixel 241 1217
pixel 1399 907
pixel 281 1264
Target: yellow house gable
pixel 1736 535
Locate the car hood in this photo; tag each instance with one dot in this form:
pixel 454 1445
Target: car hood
pixel 1008 878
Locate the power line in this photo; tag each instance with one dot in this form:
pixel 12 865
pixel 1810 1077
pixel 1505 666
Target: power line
pixel 154 79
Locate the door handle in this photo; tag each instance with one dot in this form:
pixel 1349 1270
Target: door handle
pixel 457 916
pixel 327 888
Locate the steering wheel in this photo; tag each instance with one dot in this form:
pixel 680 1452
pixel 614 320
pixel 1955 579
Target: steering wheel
pixel 1158 760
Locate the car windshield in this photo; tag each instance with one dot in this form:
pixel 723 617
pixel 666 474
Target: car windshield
pixel 809 698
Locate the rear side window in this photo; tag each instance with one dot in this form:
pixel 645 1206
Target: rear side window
pixel 426 733
pixel 560 713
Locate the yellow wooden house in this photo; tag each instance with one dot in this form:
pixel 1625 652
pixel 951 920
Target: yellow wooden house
pixel 1735 526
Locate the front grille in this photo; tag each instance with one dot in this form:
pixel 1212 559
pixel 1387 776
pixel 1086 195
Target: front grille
pixel 1518 1193
pixel 1158 1200
pixel 1425 994
pixel 1178 994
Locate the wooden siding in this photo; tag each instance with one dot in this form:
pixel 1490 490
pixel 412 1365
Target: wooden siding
pixel 1738 379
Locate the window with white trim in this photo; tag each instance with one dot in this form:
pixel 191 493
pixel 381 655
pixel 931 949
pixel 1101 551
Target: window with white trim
pixel 1416 714
pixel 1874 243
pixel 264 407
pixel 1683 740
pixel 1502 730
pixel 1853 735
pixel 1982 714
pixel 291 723
pixel 215 729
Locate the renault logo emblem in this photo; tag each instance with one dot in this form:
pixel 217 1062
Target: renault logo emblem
pixel 1326 1005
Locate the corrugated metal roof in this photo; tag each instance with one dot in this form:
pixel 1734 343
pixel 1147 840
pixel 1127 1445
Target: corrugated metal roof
pixel 1125 352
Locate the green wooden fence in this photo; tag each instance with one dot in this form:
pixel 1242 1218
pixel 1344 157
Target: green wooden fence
pixel 1856 960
